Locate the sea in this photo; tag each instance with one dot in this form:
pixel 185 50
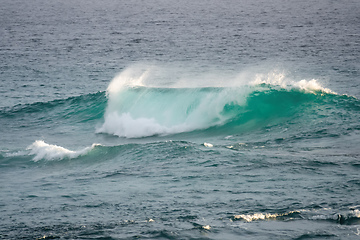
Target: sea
pixel 164 119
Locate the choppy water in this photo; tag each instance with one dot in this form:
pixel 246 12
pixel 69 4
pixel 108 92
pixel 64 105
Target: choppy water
pixel 179 120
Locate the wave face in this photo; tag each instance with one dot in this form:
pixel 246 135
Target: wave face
pixel 142 111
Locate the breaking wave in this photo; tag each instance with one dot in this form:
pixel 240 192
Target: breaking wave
pixel 139 106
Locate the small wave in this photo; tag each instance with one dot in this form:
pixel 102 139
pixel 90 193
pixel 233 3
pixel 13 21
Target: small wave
pixel 264 216
pixel 42 150
pixel 351 217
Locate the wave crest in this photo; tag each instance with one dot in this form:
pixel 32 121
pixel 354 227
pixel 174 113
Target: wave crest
pixel 280 80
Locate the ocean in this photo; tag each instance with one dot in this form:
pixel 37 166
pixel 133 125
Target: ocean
pixel 179 119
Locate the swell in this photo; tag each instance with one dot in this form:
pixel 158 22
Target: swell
pixel 83 107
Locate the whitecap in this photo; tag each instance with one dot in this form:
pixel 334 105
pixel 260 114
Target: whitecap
pixel 255 216
pixel 42 150
pixel 279 79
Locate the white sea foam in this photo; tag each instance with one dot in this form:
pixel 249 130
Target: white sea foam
pixel 323 217
pixel 255 216
pixel 206 227
pixel 42 150
pixel 356 213
pixel 279 79
pixel 311 86
pixel 261 216
pixel 125 125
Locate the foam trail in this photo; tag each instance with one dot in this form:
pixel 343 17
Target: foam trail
pixel 42 150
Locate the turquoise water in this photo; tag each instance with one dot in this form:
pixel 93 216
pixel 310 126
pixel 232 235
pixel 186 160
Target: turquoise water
pixel 179 120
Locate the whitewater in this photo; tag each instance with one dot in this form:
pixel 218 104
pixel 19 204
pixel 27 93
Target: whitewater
pixel 179 120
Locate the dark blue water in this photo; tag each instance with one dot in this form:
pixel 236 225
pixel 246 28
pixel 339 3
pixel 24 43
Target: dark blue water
pixel 179 120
